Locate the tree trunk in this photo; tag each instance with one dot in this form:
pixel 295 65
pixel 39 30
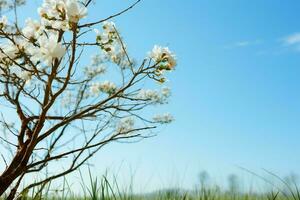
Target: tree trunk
pixel 14 170
pixel 4 184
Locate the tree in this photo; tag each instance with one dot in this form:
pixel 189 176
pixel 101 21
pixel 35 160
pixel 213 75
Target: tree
pixel 64 110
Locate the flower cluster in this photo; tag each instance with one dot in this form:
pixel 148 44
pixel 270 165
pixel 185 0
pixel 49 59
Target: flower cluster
pixel 125 125
pixel 33 29
pixel 105 87
pixel 112 46
pixel 92 71
pixel 41 45
pixel 61 13
pixel 164 58
pixel 155 96
pixel 49 49
pixel 6 5
pixel 96 67
pixel 107 36
pixel 25 75
pixel 7 53
pixel 164 118
pixel 39 42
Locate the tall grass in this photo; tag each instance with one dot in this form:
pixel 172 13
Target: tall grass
pixel 105 188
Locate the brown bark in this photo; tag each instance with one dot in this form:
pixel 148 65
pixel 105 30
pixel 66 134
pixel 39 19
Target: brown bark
pixel 6 181
pixel 14 170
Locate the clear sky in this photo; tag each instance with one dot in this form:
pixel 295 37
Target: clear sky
pixel 236 90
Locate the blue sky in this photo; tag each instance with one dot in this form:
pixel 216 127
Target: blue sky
pixel 236 90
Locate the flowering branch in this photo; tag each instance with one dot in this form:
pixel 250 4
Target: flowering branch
pixel 63 109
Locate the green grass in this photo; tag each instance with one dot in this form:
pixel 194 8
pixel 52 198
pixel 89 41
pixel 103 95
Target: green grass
pixel 103 192
pixel 105 189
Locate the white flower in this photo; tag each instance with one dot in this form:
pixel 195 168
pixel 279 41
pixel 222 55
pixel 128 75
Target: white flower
pixel 8 51
pixel 60 25
pixel 105 87
pixel 50 49
pixel 97 31
pixel 154 96
pixel 164 118
pixel 51 9
pixel 26 76
pixel 75 11
pixel 166 92
pixel 109 26
pixel 125 125
pixel 32 29
pixel 164 56
pixel 58 13
pixel 113 48
pixel 94 71
pixel 95 88
pixel 108 87
pixel 97 59
pixel 3 21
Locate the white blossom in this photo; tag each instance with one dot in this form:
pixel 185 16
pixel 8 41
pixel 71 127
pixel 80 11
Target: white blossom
pixel 166 92
pixel 154 96
pixel 164 118
pixel 3 21
pixel 163 56
pixel 51 9
pixel 92 71
pixel 58 13
pixel 8 51
pixel 97 59
pixel 108 87
pixel 109 27
pixel 110 43
pixel 95 88
pixel 25 75
pixel 75 11
pixel 60 25
pixel 32 29
pixel 50 49
pixel 125 125
pixel 105 87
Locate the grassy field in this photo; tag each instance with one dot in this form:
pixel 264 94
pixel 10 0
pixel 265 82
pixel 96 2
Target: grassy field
pixel 103 192
pixel 103 189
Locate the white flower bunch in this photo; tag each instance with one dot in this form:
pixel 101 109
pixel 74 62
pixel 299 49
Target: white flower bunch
pixel 33 29
pixel 8 52
pixel 26 75
pixel 64 11
pixel 111 45
pixel 165 59
pixel 125 125
pixel 92 71
pixel 50 49
pixel 75 11
pixel 107 37
pixel 105 87
pixel 164 118
pixel 97 59
pixel 155 96
pixel 96 67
